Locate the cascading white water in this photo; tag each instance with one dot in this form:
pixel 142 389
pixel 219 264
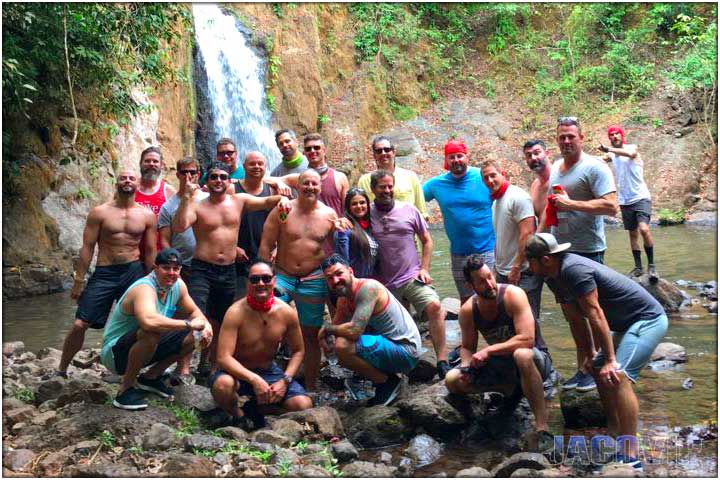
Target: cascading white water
pixel 235 83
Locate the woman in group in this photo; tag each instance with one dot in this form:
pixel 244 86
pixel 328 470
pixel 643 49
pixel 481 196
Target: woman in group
pixel 357 245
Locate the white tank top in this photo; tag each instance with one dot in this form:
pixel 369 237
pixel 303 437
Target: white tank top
pixel 631 186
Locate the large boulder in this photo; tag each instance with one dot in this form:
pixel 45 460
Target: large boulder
pixel 582 409
pixel 377 426
pixel 670 297
pixel 321 420
pixel 426 367
pixel 669 351
pixel 288 428
pixel 430 409
pixel 424 450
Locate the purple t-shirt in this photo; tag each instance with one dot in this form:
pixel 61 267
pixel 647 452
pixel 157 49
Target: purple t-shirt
pixel 395 233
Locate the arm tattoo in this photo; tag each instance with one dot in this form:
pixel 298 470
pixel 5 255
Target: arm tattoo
pixel 364 306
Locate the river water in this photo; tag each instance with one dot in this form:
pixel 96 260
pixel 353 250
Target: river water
pixel 682 253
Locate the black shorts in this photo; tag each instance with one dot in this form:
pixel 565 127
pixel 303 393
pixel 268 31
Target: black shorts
pixel 270 375
pixel 212 288
pixel 638 212
pixel 501 370
pixel 105 286
pixel 170 345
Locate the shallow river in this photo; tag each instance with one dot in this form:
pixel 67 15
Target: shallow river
pixel 682 253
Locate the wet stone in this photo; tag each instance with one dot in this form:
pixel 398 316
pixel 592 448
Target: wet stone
pixel 345 451
pixel 533 461
pixel 13 348
pixel 424 450
pixel 385 457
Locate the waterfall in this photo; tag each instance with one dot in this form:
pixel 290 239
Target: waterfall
pixel 235 86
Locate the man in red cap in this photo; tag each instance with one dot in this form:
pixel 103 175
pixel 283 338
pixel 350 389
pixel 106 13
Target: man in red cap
pixel 466 209
pixel 633 196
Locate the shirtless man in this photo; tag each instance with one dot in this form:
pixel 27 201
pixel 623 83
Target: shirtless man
pixel 251 332
pixel 117 228
pixel 216 222
pixel 535 152
pixel 300 241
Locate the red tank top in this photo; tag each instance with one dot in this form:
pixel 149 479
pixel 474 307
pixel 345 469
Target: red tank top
pixel 329 194
pixel 154 202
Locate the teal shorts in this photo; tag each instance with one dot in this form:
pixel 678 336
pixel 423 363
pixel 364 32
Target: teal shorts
pixel 634 346
pixel 385 355
pixel 309 294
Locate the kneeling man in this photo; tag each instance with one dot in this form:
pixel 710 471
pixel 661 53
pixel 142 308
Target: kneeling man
pixel 249 337
pixel 141 331
pixel 625 321
pixel 516 352
pixel 375 336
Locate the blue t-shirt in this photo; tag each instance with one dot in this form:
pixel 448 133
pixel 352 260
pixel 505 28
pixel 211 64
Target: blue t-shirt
pixel 466 207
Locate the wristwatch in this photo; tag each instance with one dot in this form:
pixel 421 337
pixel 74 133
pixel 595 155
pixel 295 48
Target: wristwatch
pixel 288 379
pixel 187 324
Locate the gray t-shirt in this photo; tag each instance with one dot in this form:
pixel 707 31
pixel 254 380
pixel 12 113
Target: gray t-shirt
pixel 623 301
pixel 281 170
pixel 588 179
pixel 514 206
pixel 184 242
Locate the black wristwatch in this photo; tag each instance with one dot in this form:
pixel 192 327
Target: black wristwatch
pixel 288 379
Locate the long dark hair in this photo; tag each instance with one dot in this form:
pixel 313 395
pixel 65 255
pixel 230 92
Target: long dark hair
pixel 358 239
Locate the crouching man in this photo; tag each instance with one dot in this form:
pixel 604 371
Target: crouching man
pixel 516 352
pixel 374 335
pixel 141 332
pixel 251 332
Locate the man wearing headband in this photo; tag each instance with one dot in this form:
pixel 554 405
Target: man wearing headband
pixel 633 197
pixel 466 208
pixel 407 183
pixel 583 192
pixel 253 328
pixel 142 332
pixel 624 320
pixel 537 160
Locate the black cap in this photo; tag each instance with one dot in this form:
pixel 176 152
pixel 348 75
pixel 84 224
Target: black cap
pixel 168 256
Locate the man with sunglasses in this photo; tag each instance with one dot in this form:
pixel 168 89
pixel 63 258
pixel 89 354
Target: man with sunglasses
pixel 227 153
pixel 142 332
pixel 216 223
pixel 253 328
pixel 302 238
pixel 334 184
pixel 407 184
pixel 583 191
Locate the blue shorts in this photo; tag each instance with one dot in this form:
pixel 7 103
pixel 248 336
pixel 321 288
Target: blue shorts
pixel 270 375
pixel 308 293
pixel 385 355
pixel 634 347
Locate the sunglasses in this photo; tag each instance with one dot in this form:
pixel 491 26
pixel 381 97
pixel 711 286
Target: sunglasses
pixel 187 172
pixel 568 121
pixel 316 148
pixel 383 150
pixel 226 153
pixel 255 279
pixel 218 176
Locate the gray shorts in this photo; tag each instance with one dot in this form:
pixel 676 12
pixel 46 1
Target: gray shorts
pixel 458 262
pixel 635 213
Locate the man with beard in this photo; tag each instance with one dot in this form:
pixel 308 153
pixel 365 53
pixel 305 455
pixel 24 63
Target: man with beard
pixel 375 336
pixel 394 226
pixel 516 355
pixel 301 239
pixel 216 222
pixel 141 332
pixel 466 208
pixel 587 192
pixel 292 160
pixel 407 184
pixel 633 196
pixel 253 328
pixel 536 157
pixel 226 152
pixel 334 184
pixel 117 228
pixel 152 192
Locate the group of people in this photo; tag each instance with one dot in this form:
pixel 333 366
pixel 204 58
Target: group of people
pixel 216 265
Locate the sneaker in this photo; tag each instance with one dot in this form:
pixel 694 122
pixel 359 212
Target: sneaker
pixel 454 356
pixel 386 392
pixel 64 375
pixel 443 367
pixel 652 273
pixel 572 382
pixel 585 383
pixel 155 385
pixel 130 399
pixel 635 272
pixel 251 413
pixel 629 461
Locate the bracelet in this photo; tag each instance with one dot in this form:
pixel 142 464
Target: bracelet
pixel 287 378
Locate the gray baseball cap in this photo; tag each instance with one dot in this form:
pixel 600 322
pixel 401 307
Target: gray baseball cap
pixel 541 244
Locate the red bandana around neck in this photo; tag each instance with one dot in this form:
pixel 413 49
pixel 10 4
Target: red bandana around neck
pixel 364 224
pixel 261 306
pixel 501 191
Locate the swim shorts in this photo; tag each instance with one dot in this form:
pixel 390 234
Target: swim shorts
pixel 170 345
pixel 309 294
pixel 212 288
pixel 106 286
pixel 385 355
pixel 271 375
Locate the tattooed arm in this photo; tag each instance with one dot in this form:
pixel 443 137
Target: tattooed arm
pixel 365 301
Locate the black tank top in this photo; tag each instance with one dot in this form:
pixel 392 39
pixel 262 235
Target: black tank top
pixel 501 328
